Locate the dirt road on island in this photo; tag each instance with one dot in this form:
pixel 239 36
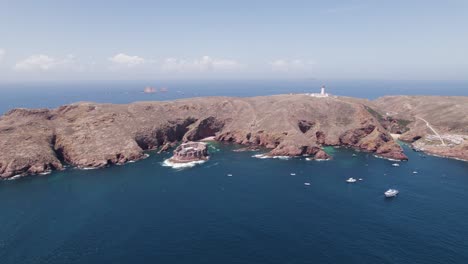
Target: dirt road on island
pixel 433 130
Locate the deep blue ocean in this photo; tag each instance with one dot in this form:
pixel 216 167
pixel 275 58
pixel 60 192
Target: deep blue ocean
pixel 144 212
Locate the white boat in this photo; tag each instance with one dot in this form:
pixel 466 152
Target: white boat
pixel 351 180
pixel 360 179
pixel 396 165
pixel 293 174
pixel 229 175
pixel 306 183
pixel 415 172
pixel 391 193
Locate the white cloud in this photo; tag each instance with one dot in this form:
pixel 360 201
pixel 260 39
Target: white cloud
pixel 43 62
pixel 204 64
pixel 2 54
pixel 36 62
pixel 296 65
pixel 123 59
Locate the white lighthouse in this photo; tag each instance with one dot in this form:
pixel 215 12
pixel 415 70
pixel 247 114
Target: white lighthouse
pixel 322 90
pixel 321 94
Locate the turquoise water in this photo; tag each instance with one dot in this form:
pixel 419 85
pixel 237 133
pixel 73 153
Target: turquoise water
pixel 146 213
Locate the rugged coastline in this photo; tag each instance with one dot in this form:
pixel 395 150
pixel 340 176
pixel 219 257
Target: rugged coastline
pixel 93 135
pixel 436 125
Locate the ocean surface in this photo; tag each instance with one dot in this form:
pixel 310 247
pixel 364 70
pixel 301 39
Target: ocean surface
pixel 235 208
pixel 54 94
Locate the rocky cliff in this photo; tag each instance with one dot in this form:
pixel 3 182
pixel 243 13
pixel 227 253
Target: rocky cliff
pixel 434 124
pixel 96 135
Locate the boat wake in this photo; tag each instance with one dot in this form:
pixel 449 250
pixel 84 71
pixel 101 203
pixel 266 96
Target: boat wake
pixel 380 157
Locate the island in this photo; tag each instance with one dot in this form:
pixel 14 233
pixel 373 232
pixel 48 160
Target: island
pixel 94 135
pixel 189 152
pixel 149 90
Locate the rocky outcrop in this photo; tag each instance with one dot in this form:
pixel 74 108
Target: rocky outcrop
pixel 98 135
pixel 26 143
pixel 204 128
pixel 321 155
pixel 395 126
pixel 190 151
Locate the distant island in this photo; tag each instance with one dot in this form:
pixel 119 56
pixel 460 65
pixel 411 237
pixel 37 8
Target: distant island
pixel 149 90
pixel 93 135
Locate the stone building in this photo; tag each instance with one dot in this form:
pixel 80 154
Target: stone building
pixel 190 151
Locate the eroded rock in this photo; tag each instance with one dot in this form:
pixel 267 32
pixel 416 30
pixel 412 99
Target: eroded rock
pixel 189 152
pixel 98 135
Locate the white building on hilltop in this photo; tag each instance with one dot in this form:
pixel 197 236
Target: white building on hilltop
pixel 321 94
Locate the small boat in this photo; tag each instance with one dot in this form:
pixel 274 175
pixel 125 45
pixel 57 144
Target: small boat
pixel 229 175
pixel 354 155
pixel 351 180
pixel 391 193
pixel 396 165
pixel 306 183
pixel 360 179
pixel 415 172
pixel 293 174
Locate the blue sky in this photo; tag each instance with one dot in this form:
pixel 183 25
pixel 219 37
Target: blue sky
pixel 56 40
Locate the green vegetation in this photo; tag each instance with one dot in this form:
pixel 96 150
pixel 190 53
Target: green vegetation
pixel 375 114
pixel 403 124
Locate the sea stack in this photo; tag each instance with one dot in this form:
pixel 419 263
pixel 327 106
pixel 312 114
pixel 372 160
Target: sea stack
pixel 189 152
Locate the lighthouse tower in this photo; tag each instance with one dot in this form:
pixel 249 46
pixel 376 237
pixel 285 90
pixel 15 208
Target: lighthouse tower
pixel 321 94
pixel 322 90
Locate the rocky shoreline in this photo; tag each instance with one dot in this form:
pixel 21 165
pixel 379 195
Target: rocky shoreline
pixel 92 135
pixel 436 125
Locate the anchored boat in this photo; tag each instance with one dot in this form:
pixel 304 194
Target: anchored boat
pixel 391 193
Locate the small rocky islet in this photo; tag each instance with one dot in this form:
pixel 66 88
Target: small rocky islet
pixel 93 135
pixel 190 152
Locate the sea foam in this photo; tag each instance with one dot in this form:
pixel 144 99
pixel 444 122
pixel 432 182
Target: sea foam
pixel 309 159
pixel 264 156
pixel 176 165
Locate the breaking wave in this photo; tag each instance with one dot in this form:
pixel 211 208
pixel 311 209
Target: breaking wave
pixel 264 156
pixel 317 159
pixel 176 165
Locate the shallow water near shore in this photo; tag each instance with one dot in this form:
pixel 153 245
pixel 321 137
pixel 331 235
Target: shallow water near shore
pixel 144 212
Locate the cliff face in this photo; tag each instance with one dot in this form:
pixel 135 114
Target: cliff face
pixel 96 135
pixel 434 124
